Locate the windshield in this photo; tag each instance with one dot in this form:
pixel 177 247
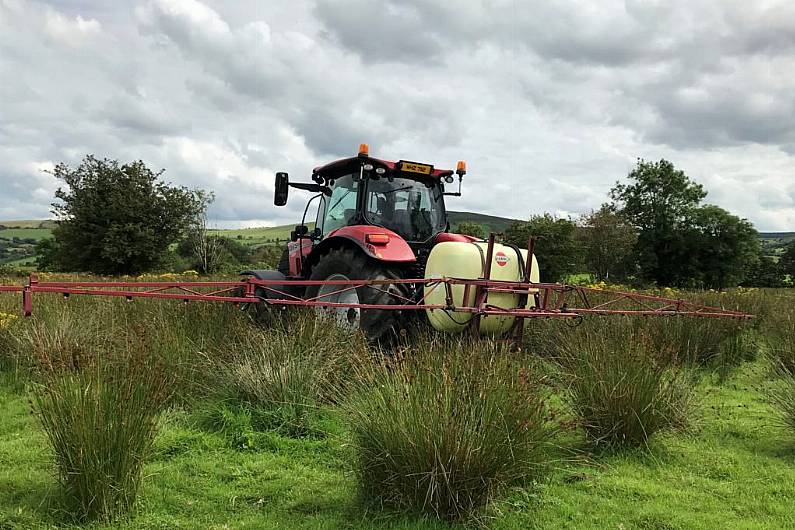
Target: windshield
pixel 339 209
pixel 409 208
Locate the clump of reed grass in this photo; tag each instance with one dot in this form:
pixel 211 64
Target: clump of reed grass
pixel 97 398
pixel 288 371
pixel 709 342
pixel 623 384
pixel 781 353
pixel 442 428
pixel 780 341
pixel 782 394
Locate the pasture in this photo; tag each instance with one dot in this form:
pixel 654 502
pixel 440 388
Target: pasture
pixel 237 447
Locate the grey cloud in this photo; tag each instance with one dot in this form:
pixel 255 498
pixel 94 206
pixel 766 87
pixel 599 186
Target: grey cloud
pixel 549 102
pixel 381 31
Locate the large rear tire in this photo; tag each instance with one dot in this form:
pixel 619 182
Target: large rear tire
pixel 382 327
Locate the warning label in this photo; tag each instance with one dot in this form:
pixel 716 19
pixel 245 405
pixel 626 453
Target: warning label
pixel 501 259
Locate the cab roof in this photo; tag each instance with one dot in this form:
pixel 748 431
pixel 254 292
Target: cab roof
pixel 332 169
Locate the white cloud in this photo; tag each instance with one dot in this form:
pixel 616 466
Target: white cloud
pixel 70 31
pixel 549 103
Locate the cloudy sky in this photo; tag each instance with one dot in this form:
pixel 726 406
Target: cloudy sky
pixel 549 102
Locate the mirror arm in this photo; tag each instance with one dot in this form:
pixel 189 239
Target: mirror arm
pixel 308 186
pixel 457 193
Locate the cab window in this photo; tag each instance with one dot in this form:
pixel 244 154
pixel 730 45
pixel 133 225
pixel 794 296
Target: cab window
pixel 340 209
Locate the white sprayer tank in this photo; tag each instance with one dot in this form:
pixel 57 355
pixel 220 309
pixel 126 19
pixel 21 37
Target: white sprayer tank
pixel 468 260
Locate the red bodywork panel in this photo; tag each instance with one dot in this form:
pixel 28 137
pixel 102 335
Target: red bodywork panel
pixel 396 250
pixel 458 238
pixel 298 250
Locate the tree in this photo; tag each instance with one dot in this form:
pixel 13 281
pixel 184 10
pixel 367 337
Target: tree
pixel 607 241
pixel 764 272
pixel 658 202
pixel 117 218
pixel 470 229
pixel 204 248
pixel 722 245
pixel 557 252
pixel 787 261
pixel 680 241
pixel 226 254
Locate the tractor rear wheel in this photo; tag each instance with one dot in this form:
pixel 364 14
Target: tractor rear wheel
pixel 379 326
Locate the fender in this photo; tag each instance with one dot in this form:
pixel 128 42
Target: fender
pixel 275 290
pixel 394 250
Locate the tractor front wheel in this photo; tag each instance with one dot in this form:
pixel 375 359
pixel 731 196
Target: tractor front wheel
pixel 379 326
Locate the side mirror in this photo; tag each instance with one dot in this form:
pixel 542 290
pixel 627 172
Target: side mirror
pixel 282 186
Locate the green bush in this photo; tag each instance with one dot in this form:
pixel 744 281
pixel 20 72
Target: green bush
pixel 623 384
pixel 97 398
pixel 445 428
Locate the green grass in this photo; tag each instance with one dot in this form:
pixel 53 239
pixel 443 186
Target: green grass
pixel 734 468
pixel 25 233
pixel 22 262
pixel 492 223
pixel 737 470
pixel 30 223
pixel 260 236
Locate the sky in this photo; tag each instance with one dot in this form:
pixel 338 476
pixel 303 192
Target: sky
pixel 550 103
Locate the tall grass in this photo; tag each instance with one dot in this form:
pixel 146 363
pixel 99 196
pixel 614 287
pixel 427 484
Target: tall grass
pixel 286 372
pixel 97 397
pixel 780 340
pixel 708 342
pixel 623 383
pixel 445 428
pixel 782 394
pixel 8 322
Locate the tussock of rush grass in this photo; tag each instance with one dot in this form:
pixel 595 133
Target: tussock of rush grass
pixel 623 383
pixel 97 398
pixel 286 372
pixel 444 428
pixel 781 352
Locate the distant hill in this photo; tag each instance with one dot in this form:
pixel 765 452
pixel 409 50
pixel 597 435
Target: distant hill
pixel 47 224
pixel 491 222
pixel 18 238
pixel 783 237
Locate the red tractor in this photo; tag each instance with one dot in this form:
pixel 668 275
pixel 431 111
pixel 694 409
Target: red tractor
pixel 375 220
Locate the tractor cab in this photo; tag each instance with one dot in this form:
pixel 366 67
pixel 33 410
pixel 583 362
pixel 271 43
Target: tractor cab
pixel 390 211
pixel 411 207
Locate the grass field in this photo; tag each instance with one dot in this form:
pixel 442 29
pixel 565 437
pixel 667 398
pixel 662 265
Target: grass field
pixel 25 233
pixel 733 468
pixel 40 229
pixel 259 236
pixel 29 223
pixel 737 470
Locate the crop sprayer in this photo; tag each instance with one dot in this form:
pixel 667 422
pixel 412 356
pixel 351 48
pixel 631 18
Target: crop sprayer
pixel 381 255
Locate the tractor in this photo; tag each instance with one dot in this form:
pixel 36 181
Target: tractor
pixel 376 220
